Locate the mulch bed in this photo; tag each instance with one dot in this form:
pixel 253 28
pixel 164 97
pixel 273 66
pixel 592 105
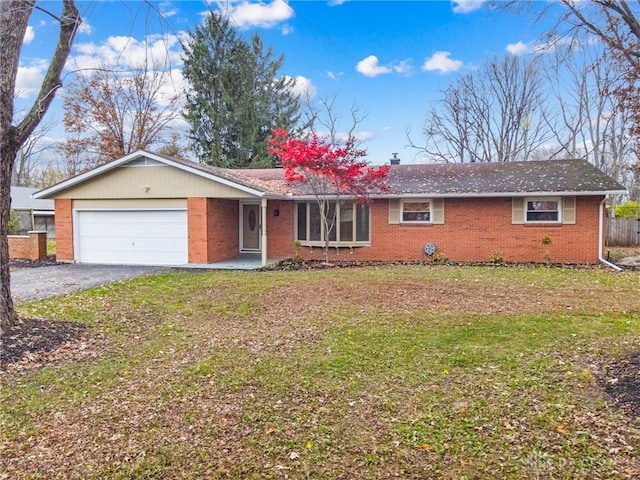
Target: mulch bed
pixel 19 263
pixel 291 264
pixel 35 343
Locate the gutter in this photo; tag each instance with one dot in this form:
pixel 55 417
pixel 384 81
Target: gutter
pixel 601 238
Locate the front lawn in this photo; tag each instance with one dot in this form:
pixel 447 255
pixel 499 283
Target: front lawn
pixel 420 372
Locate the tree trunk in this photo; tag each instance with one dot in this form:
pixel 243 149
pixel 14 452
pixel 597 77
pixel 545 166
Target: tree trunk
pixel 14 18
pixel 8 316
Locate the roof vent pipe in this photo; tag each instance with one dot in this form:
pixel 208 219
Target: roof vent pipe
pixel 395 160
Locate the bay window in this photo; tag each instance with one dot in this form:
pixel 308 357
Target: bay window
pixel 351 226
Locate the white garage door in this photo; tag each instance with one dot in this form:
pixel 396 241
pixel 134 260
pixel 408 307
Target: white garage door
pixel 136 237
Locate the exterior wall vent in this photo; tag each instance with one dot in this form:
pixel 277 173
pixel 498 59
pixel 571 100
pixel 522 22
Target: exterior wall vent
pixel 429 249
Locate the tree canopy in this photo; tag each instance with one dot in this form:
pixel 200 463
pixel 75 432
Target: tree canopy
pixel 235 98
pixel 113 112
pixel 490 115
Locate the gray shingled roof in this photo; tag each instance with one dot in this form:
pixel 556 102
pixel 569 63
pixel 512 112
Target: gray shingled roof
pixel 471 179
pixel 551 176
pixel 21 199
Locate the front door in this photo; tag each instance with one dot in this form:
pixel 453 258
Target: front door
pixel 250 227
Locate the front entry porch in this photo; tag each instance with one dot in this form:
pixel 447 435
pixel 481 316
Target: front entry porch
pixel 244 261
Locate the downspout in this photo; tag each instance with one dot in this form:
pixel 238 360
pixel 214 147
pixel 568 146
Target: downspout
pixel 601 238
pixel 264 231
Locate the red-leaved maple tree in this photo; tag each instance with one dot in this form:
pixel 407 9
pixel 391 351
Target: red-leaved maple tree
pixel 333 173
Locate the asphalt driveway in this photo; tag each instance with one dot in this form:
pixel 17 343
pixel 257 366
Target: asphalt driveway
pixel 41 282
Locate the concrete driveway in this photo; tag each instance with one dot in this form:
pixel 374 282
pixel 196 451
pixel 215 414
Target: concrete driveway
pixel 41 282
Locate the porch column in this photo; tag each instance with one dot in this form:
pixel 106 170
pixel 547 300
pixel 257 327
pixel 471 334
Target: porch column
pixel 263 204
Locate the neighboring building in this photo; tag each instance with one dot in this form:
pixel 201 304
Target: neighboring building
pixel 32 213
pixel 150 209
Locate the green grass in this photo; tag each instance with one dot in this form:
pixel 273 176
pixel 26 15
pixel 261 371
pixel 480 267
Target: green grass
pixel 380 372
pixel 51 247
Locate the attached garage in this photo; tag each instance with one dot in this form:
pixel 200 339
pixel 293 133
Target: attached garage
pixel 136 237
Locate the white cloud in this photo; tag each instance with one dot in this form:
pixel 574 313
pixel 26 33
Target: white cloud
pixel 167 9
pixel 29 35
pixel 174 86
pixel 440 62
pixel 520 48
pixel 333 3
pixel 29 79
pixel 404 67
pixel 369 67
pixel 85 28
pixel 334 75
pixel 344 136
pixel 466 6
pixel 129 52
pixel 247 14
pixel 303 87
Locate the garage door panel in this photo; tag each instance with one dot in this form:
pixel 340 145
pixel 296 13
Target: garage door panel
pixel 143 237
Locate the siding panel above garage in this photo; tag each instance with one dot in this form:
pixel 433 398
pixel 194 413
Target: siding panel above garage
pixel 150 182
pixel 131 204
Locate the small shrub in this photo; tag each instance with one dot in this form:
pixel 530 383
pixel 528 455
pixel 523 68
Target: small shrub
pixel 438 258
pixel 496 257
pixel 14 223
pixel 296 259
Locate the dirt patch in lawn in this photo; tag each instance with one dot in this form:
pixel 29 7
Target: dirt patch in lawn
pixel 621 380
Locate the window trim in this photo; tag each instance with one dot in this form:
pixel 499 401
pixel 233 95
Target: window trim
pixel 337 242
pixel 558 201
pixel 416 200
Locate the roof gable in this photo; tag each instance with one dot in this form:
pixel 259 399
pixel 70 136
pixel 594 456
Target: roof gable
pixel 141 159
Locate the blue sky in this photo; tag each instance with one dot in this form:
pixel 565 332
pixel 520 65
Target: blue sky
pixel 391 59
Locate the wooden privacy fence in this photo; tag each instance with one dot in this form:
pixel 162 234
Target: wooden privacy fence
pixel 623 232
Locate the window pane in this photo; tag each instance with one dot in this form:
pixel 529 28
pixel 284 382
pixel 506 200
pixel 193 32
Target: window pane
pixel 302 221
pixel 332 220
pixel 542 211
pixel 543 205
pixel 362 223
pixel 314 222
pixel 346 222
pixel 416 212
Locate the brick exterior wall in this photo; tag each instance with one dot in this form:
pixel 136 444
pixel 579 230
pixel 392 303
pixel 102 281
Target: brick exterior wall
pixel 212 229
pixel 474 230
pixel 280 233
pixel 64 230
pixel 32 246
